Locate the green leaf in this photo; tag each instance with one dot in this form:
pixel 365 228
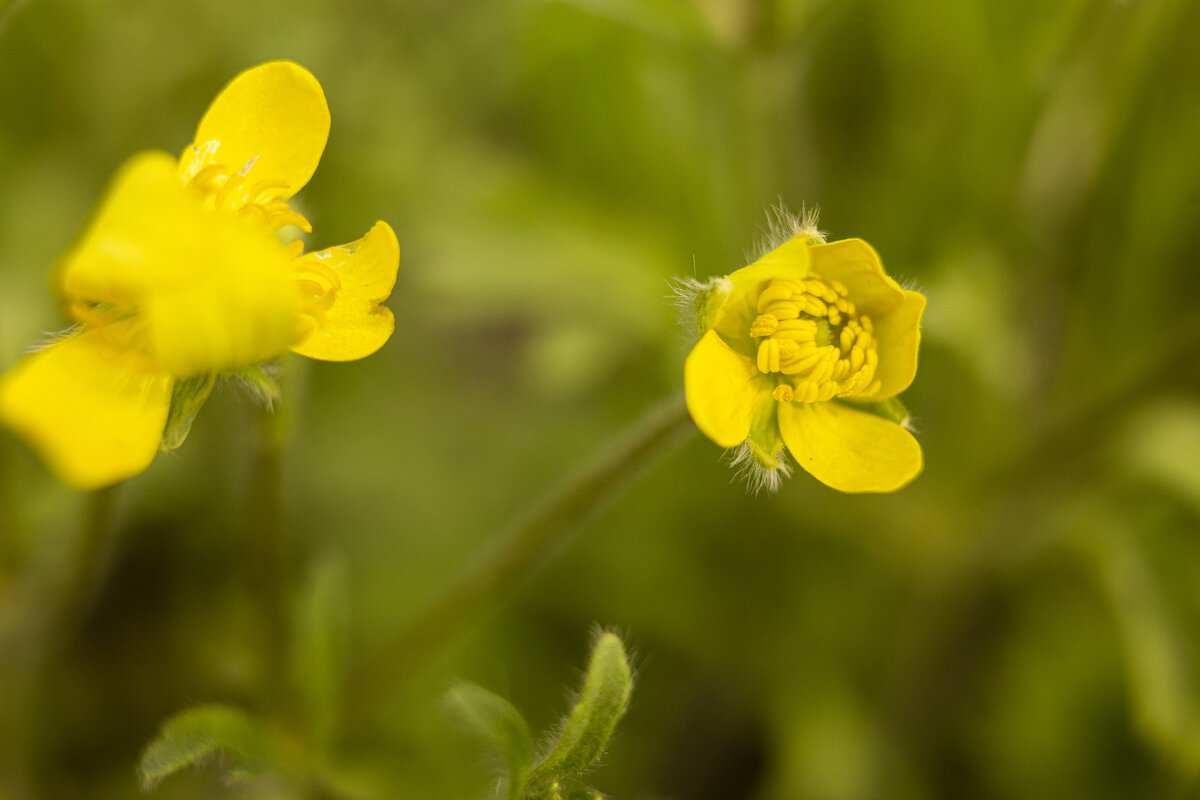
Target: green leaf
pixel 194 734
pixel 590 725
pixel 187 398
pixel 500 725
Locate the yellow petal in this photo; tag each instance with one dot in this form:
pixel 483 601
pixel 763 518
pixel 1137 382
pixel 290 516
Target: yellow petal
pixel 723 390
pixel 856 264
pixel 789 261
pixel 898 336
pixel 355 325
pixel 850 450
pixel 93 417
pixel 209 291
pixel 270 123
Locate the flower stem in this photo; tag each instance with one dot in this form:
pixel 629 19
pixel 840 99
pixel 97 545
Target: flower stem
pixel 518 552
pixel 39 611
pixel 270 554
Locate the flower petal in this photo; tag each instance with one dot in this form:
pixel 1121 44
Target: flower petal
pixel 789 261
pixel 270 123
pixel 898 336
pixel 355 326
pixel 94 417
pixel 723 390
pixel 856 264
pixel 210 291
pixel 850 450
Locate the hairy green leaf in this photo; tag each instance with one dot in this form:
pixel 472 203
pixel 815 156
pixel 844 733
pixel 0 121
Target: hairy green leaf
pixel 590 725
pixel 500 725
pixel 196 733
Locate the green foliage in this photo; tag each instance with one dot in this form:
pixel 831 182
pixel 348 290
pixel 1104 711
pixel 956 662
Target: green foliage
pixel 581 741
pixel 193 735
pixel 498 723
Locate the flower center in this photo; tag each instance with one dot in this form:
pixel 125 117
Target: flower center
pixel 809 334
pixel 223 189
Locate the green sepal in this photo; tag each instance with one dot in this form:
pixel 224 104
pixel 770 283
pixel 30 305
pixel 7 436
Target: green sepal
pixel 890 409
pixel 710 299
pixel 260 380
pixel 765 440
pixel 590 725
pixel 192 735
pixel 187 398
pixel 500 725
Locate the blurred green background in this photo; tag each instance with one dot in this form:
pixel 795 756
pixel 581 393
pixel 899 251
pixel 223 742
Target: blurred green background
pixel 1021 622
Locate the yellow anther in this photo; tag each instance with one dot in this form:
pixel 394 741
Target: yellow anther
pixel 866 324
pixel 814 306
pixel 803 364
pixel 783 393
pixel 846 339
pixel 857 357
pixel 839 287
pixel 811 391
pixel 798 329
pixel 785 309
pixel 768 356
pixel 775 291
pixel 764 325
pixel 282 220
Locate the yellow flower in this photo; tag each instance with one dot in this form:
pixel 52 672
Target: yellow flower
pixel 806 349
pixel 180 276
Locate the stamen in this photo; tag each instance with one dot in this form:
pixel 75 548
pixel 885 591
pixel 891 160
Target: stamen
pixel 764 325
pixel 810 330
pixel 776 290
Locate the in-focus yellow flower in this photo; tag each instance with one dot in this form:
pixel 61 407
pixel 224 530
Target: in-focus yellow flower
pixel 180 277
pixel 806 349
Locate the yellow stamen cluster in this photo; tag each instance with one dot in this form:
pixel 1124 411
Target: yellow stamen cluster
pixel 809 333
pixel 224 189
pixel 317 283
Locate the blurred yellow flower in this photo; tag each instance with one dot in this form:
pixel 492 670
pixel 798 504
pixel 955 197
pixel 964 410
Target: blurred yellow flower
pixel 180 276
pixel 806 349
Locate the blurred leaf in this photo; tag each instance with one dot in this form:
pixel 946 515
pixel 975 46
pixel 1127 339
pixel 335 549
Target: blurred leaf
pixel 501 725
pixel 187 398
pixel 322 634
pixel 194 734
pixel 1164 680
pixel 585 734
pixel 1163 443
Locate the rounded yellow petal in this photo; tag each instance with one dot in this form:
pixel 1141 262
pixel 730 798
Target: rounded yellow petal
pixel 856 264
pixel 270 123
pixel 850 450
pixel 723 390
pixel 790 261
pixel 209 291
pixel 363 272
pixel 93 416
pixel 898 337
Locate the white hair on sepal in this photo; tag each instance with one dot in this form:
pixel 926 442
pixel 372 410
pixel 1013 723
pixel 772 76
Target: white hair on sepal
pixel 758 478
pixel 783 225
pixel 683 294
pixel 50 338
